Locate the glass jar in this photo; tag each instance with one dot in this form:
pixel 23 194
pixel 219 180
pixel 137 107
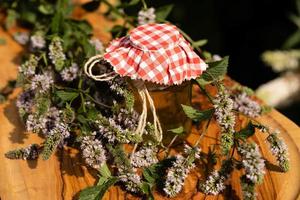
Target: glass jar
pixel 168 101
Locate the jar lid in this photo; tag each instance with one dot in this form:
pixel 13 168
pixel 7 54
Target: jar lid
pixel 156 53
pixel 154 36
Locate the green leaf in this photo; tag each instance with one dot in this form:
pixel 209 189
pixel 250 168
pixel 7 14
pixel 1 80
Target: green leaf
pixel 130 3
pixel 216 71
pixel 59 65
pixel 178 131
pixel 119 155
pixel 56 22
pixel 11 18
pixel 29 16
pixel 292 40
pixel 199 43
pixel 295 19
pixel 46 9
pixel 67 96
pixel 156 171
pixel 92 114
pixel 197 115
pixel 298 6
pixel 97 192
pixel 118 31
pixel 84 26
pixel 89 49
pixel 2 41
pixel 81 119
pixel 68 114
pixel 43 105
pixel 146 189
pixel 265 109
pixel 148 175
pixel 104 171
pixel 163 12
pixel 246 132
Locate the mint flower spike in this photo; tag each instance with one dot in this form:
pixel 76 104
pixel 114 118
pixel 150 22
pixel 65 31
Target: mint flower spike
pixel 25 101
pixel 99 47
pixel 28 68
pixel 37 41
pixel 248 189
pixel 56 53
pixel 252 162
pixel 30 152
pixel 225 117
pixel 146 16
pixel 131 180
pixel 144 157
pixel 93 151
pixel 49 124
pixel 245 105
pixel 119 127
pixel 21 37
pixel 70 73
pixel 41 83
pixel 179 171
pixel 279 149
pixel 215 182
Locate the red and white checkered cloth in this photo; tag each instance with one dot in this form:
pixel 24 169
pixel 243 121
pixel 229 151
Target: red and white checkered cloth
pixel 157 53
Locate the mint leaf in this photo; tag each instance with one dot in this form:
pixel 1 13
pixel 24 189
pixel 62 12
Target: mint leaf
pixel 104 171
pixel 146 189
pixel 246 132
pixel 148 175
pixel 163 12
pixel 130 3
pixel 46 9
pixel 292 40
pixel 42 105
pixel 197 115
pixel 155 173
pixel 178 131
pixel 67 96
pixel 216 71
pixel 2 41
pixel 199 43
pixel 56 22
pixel 97 192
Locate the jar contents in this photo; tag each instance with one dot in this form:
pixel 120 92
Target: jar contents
pixel 168 101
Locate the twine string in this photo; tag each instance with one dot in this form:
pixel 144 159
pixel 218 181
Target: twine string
pixel 91 63
pixel 143 93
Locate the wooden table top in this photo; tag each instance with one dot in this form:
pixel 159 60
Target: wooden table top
pixel 63 176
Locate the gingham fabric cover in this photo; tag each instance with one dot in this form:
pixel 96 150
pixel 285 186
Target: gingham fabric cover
pixel 157 53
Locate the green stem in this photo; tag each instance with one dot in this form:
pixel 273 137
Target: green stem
pixel 117 12
pixel 203 133
pixel 82 102
pixel 205 92
pixel 80 84
pixel 120 32
pixel 113 8
pixel 144 4
pixel 166 149
pixel 95 101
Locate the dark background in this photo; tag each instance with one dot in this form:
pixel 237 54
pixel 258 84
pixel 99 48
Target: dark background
pixel 242 29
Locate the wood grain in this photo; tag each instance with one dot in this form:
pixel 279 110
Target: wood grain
pixel 63 175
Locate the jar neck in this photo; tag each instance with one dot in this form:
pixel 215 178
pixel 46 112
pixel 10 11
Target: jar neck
pixel 152 87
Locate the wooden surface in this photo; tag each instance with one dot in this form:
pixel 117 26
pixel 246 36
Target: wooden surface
pixel 63 176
